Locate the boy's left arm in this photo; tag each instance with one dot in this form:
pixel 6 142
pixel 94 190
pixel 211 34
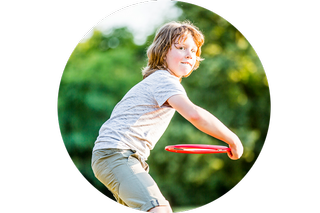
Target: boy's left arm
pixel 207 123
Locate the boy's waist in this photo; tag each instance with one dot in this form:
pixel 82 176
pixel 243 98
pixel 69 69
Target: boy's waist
pixel 112 144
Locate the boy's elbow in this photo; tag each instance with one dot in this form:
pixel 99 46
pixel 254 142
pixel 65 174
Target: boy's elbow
pixel 194 116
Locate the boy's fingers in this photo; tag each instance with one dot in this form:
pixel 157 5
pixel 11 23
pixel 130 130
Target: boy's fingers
pixel 231 156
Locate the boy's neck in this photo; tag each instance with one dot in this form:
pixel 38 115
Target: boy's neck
pixel 172 73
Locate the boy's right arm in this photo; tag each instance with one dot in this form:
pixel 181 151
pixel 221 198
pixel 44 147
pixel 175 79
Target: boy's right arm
pixel 207 123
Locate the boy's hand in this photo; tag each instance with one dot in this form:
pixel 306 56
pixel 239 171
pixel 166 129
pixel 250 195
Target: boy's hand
pixel 236 151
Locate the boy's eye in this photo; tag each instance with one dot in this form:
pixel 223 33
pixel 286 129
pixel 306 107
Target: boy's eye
pixel 183 48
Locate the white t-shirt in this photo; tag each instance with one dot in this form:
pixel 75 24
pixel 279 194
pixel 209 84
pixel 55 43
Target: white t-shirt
pixel 138 121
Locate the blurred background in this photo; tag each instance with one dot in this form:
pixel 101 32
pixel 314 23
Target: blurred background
pixel 230 83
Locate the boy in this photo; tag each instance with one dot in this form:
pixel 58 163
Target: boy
pixel 140 118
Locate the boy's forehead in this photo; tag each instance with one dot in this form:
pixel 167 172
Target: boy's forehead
pixel 182 38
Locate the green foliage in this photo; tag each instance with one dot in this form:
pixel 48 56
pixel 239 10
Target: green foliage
pixel 230 83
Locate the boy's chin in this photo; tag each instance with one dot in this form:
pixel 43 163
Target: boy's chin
pixel 187 72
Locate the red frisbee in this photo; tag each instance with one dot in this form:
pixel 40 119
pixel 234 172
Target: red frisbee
pixel 197 149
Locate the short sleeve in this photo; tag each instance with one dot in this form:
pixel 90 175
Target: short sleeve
pixel 166 86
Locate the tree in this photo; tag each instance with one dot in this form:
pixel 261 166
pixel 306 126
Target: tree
pixel 230 83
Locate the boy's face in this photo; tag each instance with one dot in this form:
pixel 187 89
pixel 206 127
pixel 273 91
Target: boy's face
pixel 181 57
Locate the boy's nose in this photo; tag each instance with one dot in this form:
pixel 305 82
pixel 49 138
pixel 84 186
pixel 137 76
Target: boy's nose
pixel 189 54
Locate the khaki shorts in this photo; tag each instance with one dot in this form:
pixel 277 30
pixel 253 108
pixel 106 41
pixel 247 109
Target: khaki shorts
pixel 126 176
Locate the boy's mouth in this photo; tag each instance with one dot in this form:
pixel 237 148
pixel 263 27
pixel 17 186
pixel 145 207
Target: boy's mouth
pixel 186 63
